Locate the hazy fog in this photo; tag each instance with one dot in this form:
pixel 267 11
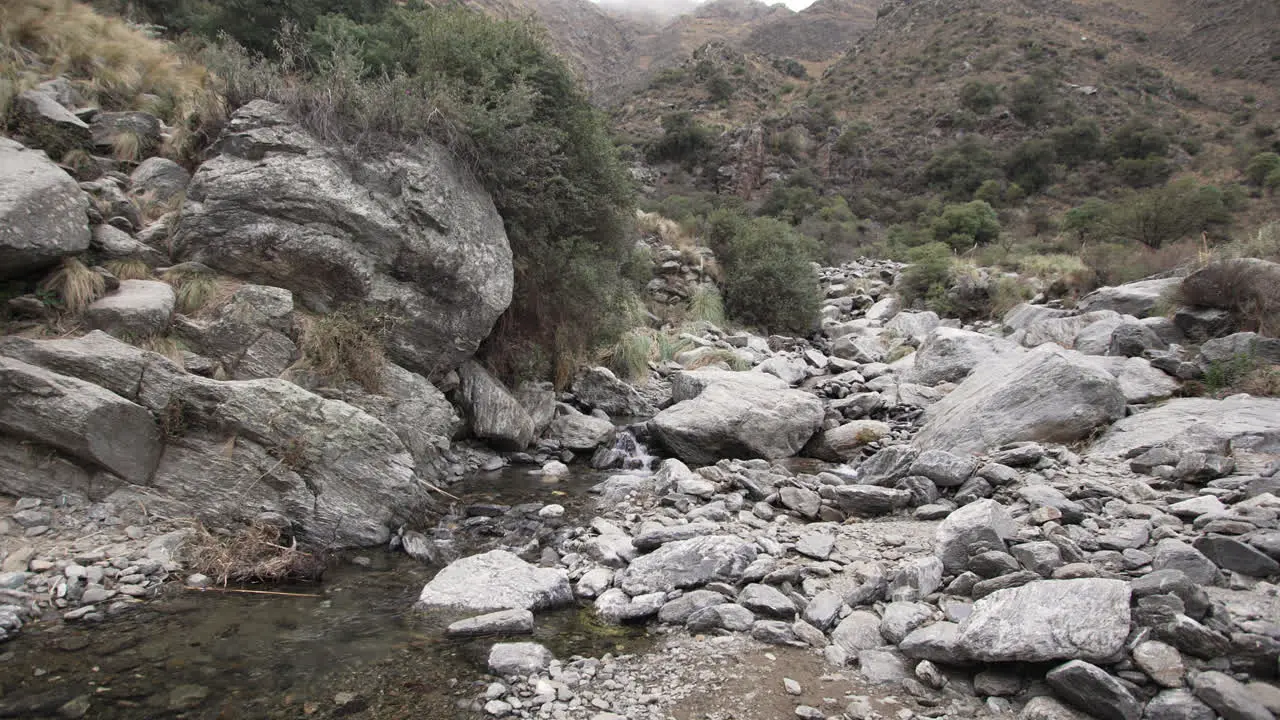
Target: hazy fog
pixel 671 8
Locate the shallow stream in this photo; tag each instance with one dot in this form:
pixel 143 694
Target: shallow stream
pixel 356 649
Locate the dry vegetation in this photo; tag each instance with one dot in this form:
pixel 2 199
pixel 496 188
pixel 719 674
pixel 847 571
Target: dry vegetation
pixel 115 65
pixel 346 345
pixel 72 287
pixel 252 554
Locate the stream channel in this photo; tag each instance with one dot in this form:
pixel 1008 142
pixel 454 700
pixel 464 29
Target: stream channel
pixel 359 650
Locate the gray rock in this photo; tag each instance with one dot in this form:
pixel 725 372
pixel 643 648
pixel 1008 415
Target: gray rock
pixel 1193 638
pixel 916 579
pixel 887 465
pixel 161 178
pixel 408 232
pixel 582 433
pixel 47 123
pixel 774 632
pixel 943 468
pixel 503 622
pixel 766 600
pixel 1231 554
pixel 1200 324
pixel 492 413
pixel 651 539
pixel 724 616
pixel 802 501
pixel 913 327
pixel 1139 381
pixel 1139 299
pixel 1221 352
pixel 613 606
pixel 1189 424
pixel 817 545
pixel 113 243
pixel 867 500
pixel 882 666
pixel 1095 338
pixel 1161 662
pixel 1092 690
pixel 939 642
pixel 845 443
pixel 823 609
pixel 679 610
pixel 951 354
pixel 1177 705
pixel 744 415
pixel 1045 707
pixel 1171 554
pixel 80 419
pixel 43 213
pixel 900 618
pixel 1132 339
pixel 518 659
pixel 1049 620
pixel 984 521
pixel 1231 699
pixel 496 580
pixel 1041 557
pixel 1050 395
pixel 858 631
pixel 687 563
pixel 107 127
pixel 997 683
pixel 792 371
pixel 138 309
pixel 601 389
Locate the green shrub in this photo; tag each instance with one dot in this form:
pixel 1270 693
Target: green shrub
pixel 1138 139
pixel 1162 215
pixel 1030 165
pixel 1031 99
pixel 770 282
pixel 790 67
pixel 990 192
pixel 683 140
pixel 706 305
pixel 960 169
pixel 720 88
pixel 1078 142
pixel 979 97
pixel 927 276
pixel 1261 167
pixel 963 226
pixel 1143 172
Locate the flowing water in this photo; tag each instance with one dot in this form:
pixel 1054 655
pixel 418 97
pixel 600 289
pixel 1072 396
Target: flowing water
pixel 358 649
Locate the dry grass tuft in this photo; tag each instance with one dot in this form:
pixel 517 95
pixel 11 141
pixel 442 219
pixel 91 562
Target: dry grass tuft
pixel 128 146
pixel 194 290
pixel 108 58
pixel 347 345
pixel 153 208
pixel 253 554
pixel 733 360
pixel 128 269
pixel 72 287
pixel 163 345
pixel 669 231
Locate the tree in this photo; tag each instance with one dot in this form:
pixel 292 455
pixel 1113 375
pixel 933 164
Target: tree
pixel 770 282
pixel 979 97
pixel 964 226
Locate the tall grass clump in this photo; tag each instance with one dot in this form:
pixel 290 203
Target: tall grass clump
pixel 111 62
pixel 629 356
pixel 72 287
pixel 128 269
pixel 194 289
pixel 706 305
pixel 347 345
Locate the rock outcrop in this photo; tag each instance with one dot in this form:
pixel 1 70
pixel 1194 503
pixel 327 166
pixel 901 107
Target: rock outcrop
pixel 43 214
pixel 410 234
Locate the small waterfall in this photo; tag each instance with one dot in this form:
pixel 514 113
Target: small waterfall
pixel 627 453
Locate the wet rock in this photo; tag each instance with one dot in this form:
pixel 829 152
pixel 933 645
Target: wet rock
pixel 1092 690
pixel 1049 620
pixel 186 697
pixel 492 413
pixel 503 622
pixel 582 433
pixel 518 659
pixel 614 606
pixel 496 580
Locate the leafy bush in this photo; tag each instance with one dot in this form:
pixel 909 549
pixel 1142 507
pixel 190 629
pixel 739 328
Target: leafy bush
pixel 790 67
pixel 927 276
pixel 1261 167
pixel 1078 142
pixel 960 169
pixel 1162 215
pixel 1030 165
pixel 979 97
pixel 683 140
pixel 1143 172
pixel 1031 98
pixel 1138 139
pixel 770 282
pixel 963 226
pixel 720 88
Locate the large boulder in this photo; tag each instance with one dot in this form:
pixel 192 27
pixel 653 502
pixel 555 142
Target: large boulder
pixel 138 309
pixel 950 354
pixel 160 178
pixel 409 233
pixel 492 413
pixel 1139 381
pixel 236 449
pixel 1084 619
pixel 846 442
pixel 78 418
pixel 250 336
pixel 1049 395
pixel 601 389
pixel 1199 424
pixel 46 123
pixel 581 433
pixel 1140 299
pixel 736 415
pixel 43 213
pixel 1239 348
pixel 687 564
pixel 496 580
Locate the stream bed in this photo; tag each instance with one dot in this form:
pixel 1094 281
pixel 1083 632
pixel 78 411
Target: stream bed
pixel 350 646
